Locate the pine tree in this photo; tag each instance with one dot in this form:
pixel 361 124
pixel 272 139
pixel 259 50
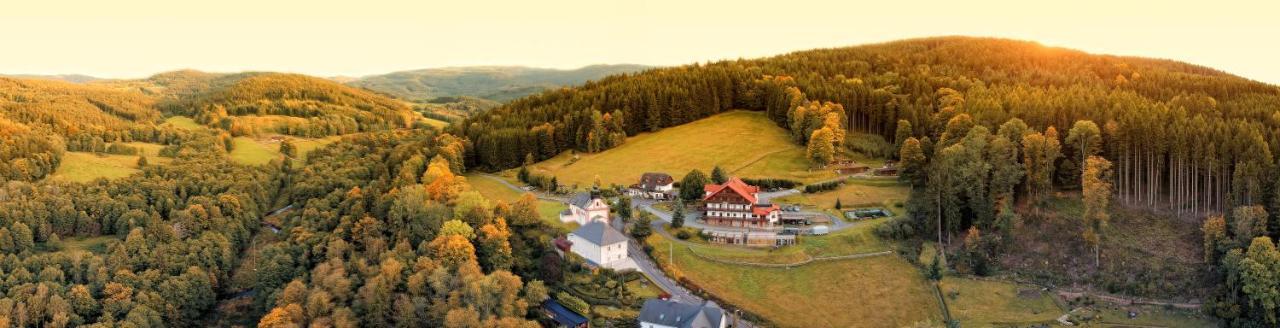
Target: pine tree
pixel 677 214
pixel 718 175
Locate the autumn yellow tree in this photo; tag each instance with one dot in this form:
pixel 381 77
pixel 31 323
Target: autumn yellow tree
pixel 821 151
pixel 1096 182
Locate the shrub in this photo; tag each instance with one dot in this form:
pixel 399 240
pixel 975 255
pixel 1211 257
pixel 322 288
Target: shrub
pixel 822 186
pixel 572 302
pixel 772 184
pixel 896 228
pixel 683 234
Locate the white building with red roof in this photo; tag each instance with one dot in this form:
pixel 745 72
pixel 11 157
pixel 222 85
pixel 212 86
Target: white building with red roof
pixel 736 204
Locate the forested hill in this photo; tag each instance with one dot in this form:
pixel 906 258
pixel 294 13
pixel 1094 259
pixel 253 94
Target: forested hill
pixel 496 83
pixel 877 85
pixel 40 119
pixel 252 103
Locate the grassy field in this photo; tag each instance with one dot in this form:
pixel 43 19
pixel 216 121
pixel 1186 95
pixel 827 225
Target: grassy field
pixel 887 193
pixel 83 167
pixel 261 150
pixel 745 143
pixel 183 122
pixel 881 291
pixel 980 303
pixel 251 152
pixel 495 191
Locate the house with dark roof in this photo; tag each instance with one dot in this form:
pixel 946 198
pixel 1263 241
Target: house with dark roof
pixel 659 313
pixel 653 185
pixel 736 204
pixel 563 317
pixel 586 207
pixel 601 245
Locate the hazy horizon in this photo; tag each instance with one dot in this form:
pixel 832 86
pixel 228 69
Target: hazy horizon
pixel 138 38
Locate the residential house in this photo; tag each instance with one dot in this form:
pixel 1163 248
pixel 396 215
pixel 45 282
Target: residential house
pixel 736 204
pixel 659 313
pixel 654 185
pixel 562 317
pixel 601 245
pixel 585 208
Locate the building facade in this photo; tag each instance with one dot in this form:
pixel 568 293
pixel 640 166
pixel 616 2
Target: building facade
pixel 600 244
pixel 736 204
pixel 586 208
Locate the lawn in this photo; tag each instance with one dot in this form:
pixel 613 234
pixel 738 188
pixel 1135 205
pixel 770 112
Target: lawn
pixel 887 193
pixel 745 143
pixel 981 303
pixel 495 191
pixel 880 291
pixel 183 122
pixel 83 167
pixel 858 239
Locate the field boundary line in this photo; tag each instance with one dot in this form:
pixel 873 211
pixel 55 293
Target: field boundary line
pixel 788 265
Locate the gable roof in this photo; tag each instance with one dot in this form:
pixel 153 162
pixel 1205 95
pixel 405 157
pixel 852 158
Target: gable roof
pixel 764 209
pixel 600 234
pixel 652 180
pixel 581 200
pixel 681 315
pixel 736 186
pixel 563 315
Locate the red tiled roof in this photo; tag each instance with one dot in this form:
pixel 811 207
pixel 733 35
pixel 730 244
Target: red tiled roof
pixel 763 210
pixel 737 186
pixel 563 244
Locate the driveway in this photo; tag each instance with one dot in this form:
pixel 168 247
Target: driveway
pixel 540 195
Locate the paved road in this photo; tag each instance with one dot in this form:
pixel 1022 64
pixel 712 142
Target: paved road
pixel 636 252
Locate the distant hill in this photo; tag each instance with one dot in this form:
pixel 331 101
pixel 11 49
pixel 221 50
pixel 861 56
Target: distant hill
pixel 73 78
pixel 496 83
pixel 251 103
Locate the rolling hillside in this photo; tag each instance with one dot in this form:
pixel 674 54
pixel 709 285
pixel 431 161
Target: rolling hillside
pixel 743 143
pixel 254 103
pixel 495 83
pixel 41 119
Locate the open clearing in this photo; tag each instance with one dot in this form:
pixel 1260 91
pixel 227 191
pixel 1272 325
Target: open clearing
pixel 880 291
pixel 495 191
pixel 262 149
pixel 84 167
pixel 183 122
pixel 745 143
pixel 981 303
pixel 96 245
pixel 249 152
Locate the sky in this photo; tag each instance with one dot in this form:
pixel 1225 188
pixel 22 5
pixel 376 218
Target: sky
pixel 137 38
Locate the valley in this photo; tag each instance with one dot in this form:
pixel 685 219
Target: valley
pixel 932 182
